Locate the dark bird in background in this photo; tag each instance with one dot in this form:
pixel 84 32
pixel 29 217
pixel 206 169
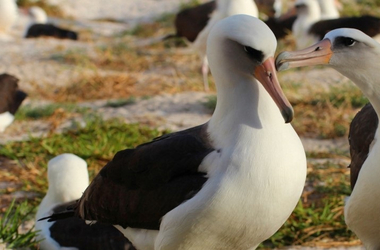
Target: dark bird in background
pixel 40 27
pixel 370 25
pixel 10 99
pixel 190 22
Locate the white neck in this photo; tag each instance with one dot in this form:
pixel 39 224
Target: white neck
pixel 309 15
pixel 234 7
pixel 328 9
pixel 239 106
pixel 366 77
pixel 6 119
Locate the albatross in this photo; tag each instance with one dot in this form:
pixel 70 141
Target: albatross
pixel 68 178
pixel 353 54
pixel 8 16
pixel 227 184
pixel 11 98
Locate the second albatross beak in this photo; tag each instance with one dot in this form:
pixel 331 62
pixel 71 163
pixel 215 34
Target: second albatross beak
pixel 319 53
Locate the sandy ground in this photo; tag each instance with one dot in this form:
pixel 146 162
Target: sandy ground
pixel 29 60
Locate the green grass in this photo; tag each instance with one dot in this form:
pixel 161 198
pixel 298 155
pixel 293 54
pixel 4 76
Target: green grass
pixel 28 112
pixel 11 221
pixel 319 214
pixel 96 143
pixel 210 103
pixel 121 102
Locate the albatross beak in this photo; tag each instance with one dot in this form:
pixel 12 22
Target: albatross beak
pixel 319 53
pixel 266 74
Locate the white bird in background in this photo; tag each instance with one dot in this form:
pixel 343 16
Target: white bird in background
pixel 224 8
pixel 329 9
pixel 37 15
pixel 308 13
pixel 8 17
pixel 355 55
pixel 68 178
pixel 227 184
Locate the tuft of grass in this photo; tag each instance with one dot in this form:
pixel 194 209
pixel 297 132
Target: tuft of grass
pixel 210 103
pixel 121 102
pixel 319 216
pixel 27 112
pixel 324 113
pixel 189 4
pixel 10 223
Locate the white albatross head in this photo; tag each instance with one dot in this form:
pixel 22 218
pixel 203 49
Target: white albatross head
pixel 68 178
pixel 38 15
pixel 349 51
pixel 241 50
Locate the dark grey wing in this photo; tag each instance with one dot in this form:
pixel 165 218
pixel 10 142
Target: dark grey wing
pixel 368 24
pixel 280 27
pixel 191 21
pixel 8 90
pixel 141 185
pixel 50 30
pixel 74 232
pixel 362 132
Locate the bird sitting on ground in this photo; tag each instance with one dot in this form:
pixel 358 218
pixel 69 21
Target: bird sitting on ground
pixel 68 178
pixel 8 16
pixel 40 27
pixel 10 99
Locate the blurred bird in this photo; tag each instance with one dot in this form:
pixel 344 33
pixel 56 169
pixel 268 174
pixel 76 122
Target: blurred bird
pixel 329 9
pixel 10 99
pixel 8 16
pixel 308 13
pixel 68 178
pixel 39 26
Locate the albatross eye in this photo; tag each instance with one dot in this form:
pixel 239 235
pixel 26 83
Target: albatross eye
pixel 254 53
pixel 347 41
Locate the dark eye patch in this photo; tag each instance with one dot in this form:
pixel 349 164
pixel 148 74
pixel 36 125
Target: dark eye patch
pixel 254 53
pixel 344 41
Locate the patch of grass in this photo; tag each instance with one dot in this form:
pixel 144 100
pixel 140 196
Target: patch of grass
pixel 76 56
pixel 50 9
pixel 210 103
pixel 96 143
pixel 324 113
pixel 27 112
pixel 360 7
pixel 319 216
pixel 121 102
pixel 10 223
pixel 189 4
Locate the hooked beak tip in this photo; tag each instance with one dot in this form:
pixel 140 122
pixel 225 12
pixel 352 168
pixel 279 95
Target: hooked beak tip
pixel 288 114
pixel 282 65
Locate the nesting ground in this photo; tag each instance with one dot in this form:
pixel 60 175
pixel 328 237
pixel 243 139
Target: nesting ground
pixel 118 69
